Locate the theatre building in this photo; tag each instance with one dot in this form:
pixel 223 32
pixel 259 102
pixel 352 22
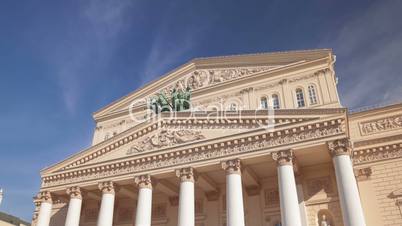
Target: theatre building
pixel 263 140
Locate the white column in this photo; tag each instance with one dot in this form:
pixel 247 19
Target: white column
pixel 234 193
pixel 45 210
pixel 105 217
pixel 74 206
pixel 290 212
pixel 144 204
pixel 352 210
pixel 186 197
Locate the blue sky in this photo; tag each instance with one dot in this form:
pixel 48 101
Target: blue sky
pixel 62 60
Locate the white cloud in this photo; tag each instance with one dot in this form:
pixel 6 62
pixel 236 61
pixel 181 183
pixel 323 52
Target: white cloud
pixel 369 49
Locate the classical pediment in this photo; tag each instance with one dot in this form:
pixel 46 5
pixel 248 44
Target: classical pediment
pixel 204 73
pixel 169 134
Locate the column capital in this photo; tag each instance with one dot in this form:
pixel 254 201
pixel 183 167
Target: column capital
pixel 283 157
pixel 339 147
pixel 74 192
pixel 44 196
pixel 186 174
pixel 232 166
pixel 143 181
pixel 107 187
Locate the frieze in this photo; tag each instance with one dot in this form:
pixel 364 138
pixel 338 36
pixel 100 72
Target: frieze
pixel 381 125
pixel 317 185
pixel 208 77
pixel 206 152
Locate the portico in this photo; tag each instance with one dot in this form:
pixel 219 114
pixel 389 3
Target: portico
pixel 235 186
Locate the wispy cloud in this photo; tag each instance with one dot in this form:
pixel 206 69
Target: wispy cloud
pixel 88 46
pixel 369 49
pixel 164 52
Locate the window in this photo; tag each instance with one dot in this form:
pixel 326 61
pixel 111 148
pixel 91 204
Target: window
pixel 300 98
pixel 264 103
pixel 275 101
pixel 312 94
pixel 106 136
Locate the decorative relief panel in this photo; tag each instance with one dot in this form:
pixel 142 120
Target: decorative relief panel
pixel 124 214
pixel 317 185
pixel 159 210
pixel 91 214
pixel 381 125
pixel 165 138
pixel 271 197
pixel 208 77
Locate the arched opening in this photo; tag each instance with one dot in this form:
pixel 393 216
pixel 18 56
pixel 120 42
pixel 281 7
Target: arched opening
pixel 263 103
pixel 300 98
pixel 312 94
pixel 325 218
pixel 275 101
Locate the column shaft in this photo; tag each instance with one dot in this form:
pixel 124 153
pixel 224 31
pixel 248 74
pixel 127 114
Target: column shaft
pixel 105 217
pixel 144 204
pixel 186 198
pixel 289 203
pixel 74 212
pixel 45 212
pixel 234 193
pixel 290 213
pixel 234 200
pixel 186 204
pixel 352 211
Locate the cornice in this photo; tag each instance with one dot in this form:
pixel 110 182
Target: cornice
pixel 262 141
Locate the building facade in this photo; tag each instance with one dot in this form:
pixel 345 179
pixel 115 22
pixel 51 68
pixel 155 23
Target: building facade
pixel 266 142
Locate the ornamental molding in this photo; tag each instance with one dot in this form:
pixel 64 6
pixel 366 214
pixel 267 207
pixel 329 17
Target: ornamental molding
pixel 164 139
pixel 202 152
pixel 379 153
pixel 380 125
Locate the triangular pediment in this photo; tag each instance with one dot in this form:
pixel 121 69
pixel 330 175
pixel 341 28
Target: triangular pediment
pixel 203 73
pixel 185 129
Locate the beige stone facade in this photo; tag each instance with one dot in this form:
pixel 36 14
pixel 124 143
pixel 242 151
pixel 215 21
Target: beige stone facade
pixel 266 140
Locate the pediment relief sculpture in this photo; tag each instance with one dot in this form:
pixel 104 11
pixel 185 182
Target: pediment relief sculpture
pixel 165 138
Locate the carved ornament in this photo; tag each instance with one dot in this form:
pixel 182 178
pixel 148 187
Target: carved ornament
pixel 107 187
pixel 283 157
pixel 232 166
pixel 44 196
pixel 339 147
pixel 74 192
pixel 165 138
pixel 186 174
pixel 143 181
pixel 381 125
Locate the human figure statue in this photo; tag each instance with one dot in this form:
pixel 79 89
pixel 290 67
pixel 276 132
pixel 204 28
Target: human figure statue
pixel 1 195
pixel 187 97
pixel 324 221
pixel 175 100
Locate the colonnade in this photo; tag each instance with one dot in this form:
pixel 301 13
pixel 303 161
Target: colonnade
pixel 290 215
